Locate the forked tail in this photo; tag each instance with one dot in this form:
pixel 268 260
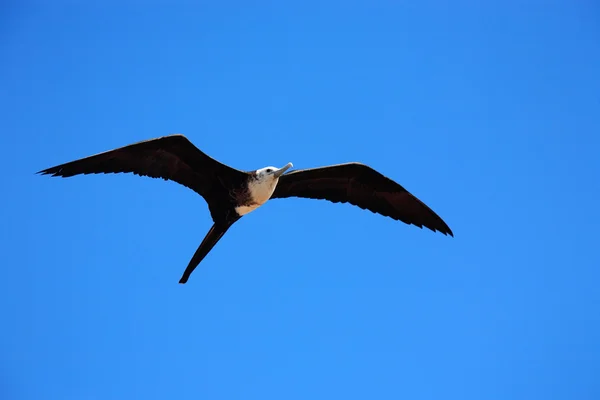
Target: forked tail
pixel 215 233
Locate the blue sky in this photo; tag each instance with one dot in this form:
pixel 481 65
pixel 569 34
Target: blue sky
pixel 489 112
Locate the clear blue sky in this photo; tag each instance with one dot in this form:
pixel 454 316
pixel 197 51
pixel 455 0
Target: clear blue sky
pixel 487 111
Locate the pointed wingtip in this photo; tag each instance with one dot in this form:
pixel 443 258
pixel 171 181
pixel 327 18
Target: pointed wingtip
pixel 53 171
pixel 444 230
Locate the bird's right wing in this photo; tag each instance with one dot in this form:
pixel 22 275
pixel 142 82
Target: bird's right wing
pixel 362 186
pixel 171 157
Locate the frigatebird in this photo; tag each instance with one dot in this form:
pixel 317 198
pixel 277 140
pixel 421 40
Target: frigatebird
pixel 231 193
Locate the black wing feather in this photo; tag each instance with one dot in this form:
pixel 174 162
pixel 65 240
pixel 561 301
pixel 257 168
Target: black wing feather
pixel 171 157
pixel 362 186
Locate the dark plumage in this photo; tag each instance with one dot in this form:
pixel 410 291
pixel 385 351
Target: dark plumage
pixel 362 186
pixel 231 193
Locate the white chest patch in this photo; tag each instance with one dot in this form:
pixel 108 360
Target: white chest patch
pixel 260 192
pixel 243 210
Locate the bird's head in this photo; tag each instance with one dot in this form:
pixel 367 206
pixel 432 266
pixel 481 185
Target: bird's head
pixel 271 174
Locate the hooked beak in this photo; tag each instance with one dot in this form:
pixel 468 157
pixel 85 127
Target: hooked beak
pixel 280 171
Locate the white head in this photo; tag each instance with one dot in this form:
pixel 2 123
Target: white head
pixel 271 174
pixel 264 185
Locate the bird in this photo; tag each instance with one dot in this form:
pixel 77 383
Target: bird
pixel 231 193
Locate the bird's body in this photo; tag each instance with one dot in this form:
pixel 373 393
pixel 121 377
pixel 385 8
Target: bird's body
pixel 258 190
pixel 231 193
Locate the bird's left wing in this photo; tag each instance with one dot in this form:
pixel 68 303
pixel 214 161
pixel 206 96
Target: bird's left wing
pixel 171 157
pixel 362 186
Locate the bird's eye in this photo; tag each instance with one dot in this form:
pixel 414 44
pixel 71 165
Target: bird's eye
pixel 269 170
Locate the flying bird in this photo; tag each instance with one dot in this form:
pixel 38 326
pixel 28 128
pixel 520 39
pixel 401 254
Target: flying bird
pixel 231 193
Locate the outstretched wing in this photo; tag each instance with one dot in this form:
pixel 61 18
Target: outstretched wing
pixel 362 186
pixel 171 157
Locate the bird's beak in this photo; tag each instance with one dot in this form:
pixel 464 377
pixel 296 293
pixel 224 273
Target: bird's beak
pixel 280 171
